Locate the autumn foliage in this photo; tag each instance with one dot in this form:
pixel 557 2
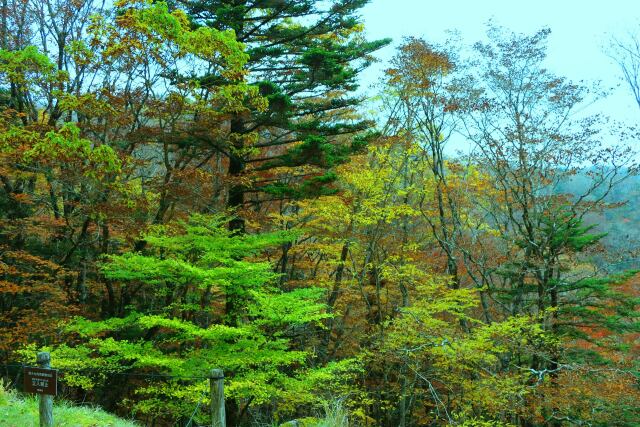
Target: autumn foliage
pixel 197 185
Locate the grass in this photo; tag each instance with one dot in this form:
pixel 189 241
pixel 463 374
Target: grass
pixel 17 411
pixel 334 416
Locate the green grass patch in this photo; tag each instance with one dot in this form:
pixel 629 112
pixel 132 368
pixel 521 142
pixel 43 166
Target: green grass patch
pixel 22 411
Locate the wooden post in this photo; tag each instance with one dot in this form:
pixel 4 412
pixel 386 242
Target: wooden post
pixel 46 401
pixel 216 383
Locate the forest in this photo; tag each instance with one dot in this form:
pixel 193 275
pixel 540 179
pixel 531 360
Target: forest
pixel 197 184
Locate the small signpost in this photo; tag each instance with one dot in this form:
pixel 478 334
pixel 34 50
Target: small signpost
pixel 43 381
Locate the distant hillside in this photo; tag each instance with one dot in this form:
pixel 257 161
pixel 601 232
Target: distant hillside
pixel 622 224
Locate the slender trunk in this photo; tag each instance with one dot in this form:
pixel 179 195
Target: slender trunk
pixel 402 422
pixel 235 200
pixel 284 263
pixel 331 300
pixel 4 29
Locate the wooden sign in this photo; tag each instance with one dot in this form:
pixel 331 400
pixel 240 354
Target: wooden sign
pixel 41 381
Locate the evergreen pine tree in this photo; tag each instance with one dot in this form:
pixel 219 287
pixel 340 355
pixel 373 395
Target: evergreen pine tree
pixel 305 56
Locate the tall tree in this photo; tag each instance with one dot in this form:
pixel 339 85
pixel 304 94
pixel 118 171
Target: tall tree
pixel 626 53
pixel 529 137
pixel 304 56
pixel 420 105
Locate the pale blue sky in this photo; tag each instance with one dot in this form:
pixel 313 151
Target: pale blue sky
pixel 580 31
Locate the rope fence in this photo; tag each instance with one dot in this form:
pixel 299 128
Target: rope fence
pixel 97 370
pixel 216 379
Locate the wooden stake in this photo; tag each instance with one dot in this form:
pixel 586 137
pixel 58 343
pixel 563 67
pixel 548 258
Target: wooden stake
pixel 46 401
pixel 216 383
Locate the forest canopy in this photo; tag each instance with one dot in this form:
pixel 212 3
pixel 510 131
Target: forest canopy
pixel 189 184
